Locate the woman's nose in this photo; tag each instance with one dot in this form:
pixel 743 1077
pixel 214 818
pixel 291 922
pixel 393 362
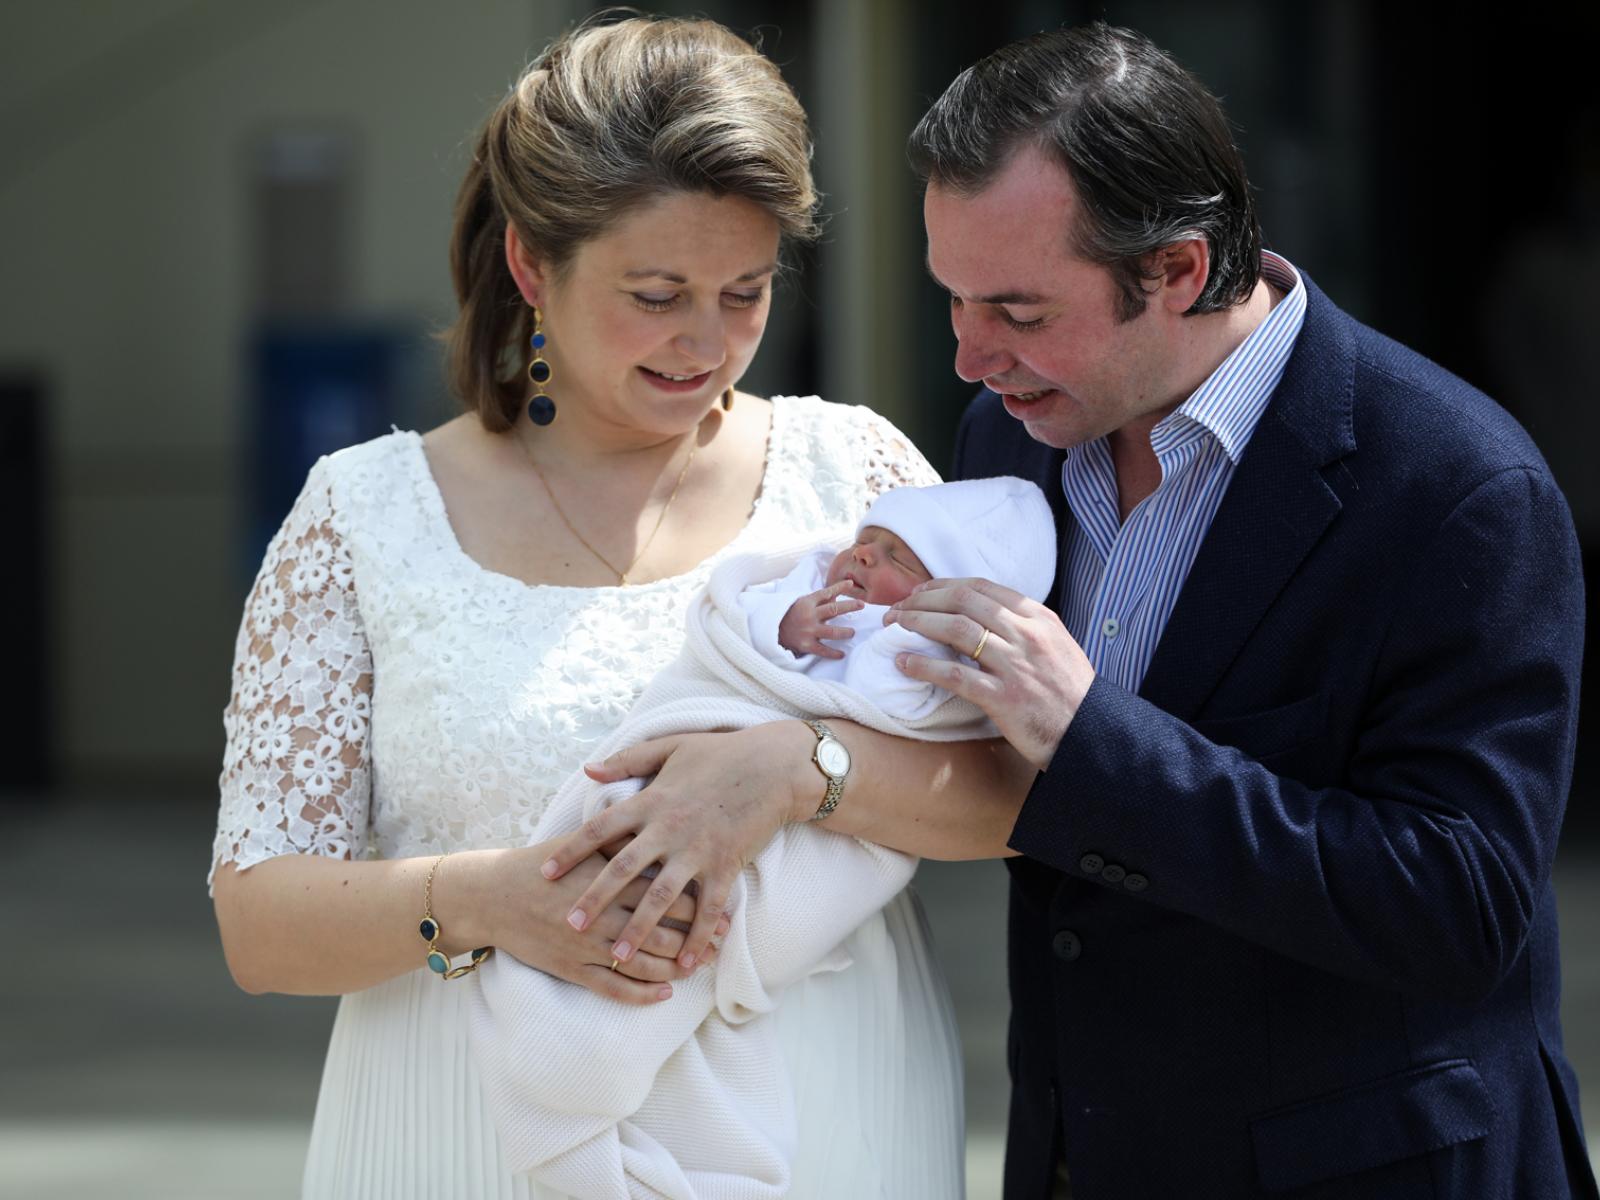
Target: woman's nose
pixel 701 341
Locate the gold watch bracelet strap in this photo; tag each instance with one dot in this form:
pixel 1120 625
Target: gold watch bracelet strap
pixel 835 789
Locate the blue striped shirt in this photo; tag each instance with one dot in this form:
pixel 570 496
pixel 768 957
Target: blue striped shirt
pixel 1123 578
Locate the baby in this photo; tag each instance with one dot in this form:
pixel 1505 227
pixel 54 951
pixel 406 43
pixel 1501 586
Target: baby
pixel 1000 529
pixel 594 1111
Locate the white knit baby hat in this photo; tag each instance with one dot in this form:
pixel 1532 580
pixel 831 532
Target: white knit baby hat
pixel 1000 529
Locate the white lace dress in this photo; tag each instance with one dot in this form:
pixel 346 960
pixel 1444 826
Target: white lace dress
pixel 392 698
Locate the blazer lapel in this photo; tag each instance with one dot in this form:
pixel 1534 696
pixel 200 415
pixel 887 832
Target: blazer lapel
pixel 1277 507
pixel 1049 482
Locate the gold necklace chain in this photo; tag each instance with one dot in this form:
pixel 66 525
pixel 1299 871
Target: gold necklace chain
pixel 622 575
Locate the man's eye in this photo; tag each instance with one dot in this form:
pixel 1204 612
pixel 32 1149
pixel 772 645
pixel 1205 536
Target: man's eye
pixel 1021 325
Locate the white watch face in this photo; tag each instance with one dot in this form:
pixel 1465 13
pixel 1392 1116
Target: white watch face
pixel 832 757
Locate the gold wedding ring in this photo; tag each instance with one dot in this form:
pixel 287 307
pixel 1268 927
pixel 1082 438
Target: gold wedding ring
pixel 615 963
pixel 978 649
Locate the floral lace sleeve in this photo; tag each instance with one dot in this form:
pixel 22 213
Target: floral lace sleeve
pixel 888 459
pixel 296 775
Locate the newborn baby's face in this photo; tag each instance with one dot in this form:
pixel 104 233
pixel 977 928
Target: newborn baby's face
pixel 880 566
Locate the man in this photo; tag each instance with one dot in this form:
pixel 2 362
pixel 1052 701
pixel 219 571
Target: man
pixel 1291 746
pixel 1285 919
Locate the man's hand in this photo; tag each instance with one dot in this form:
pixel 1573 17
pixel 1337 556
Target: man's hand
pixel 1031 675
pixel 805 629
pixel 716 800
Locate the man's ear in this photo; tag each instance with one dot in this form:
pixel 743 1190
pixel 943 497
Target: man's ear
pixel 1183 269
pixel 526 268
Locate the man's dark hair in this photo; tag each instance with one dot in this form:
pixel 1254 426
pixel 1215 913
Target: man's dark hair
pixel 1148 150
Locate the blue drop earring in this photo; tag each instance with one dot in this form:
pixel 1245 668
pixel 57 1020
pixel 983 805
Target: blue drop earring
pixel 541 409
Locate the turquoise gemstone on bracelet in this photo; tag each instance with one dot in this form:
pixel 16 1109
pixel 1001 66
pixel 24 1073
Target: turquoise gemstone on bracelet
pixel 438 963
pixel 429 929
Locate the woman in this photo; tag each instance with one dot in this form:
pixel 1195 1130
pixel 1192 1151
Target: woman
pixel 446 625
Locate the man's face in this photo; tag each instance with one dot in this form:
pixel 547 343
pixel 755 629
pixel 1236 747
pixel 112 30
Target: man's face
pixel 1033 321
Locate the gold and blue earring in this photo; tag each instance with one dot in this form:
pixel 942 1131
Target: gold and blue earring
pixel 541 409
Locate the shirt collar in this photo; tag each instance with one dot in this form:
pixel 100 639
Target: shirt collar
pixel 1229 404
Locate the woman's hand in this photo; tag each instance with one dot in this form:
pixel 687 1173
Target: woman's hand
pixel 1031 675
pixel 805 629
pixel 716 800
pixel 521 914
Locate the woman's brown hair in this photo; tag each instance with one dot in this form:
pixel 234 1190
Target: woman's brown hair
pixel 610 117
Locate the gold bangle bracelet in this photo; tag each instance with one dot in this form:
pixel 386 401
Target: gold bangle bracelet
pixel 430 929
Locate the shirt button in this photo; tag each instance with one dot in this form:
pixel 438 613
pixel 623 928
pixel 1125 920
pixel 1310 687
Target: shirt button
pixel 1066 945
pixel 1113 873
pixel 1136 883
pixel 1090 864
pixel 1110 627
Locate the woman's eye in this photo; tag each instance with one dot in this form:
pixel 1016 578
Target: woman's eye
pixel 741 299
pixel 653 303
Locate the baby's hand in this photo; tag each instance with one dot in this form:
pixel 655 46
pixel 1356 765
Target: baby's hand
pixel 805 625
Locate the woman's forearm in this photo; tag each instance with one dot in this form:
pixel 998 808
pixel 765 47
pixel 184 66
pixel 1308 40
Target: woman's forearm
pixel 314 926
pixel 941 800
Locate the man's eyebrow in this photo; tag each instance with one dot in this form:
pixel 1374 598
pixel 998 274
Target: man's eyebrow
pixel 674 277
pixel 1019 298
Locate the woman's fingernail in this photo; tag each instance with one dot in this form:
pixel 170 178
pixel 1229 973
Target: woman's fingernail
pixel 902 661
pixel 549 869
pixel 665 992
pixel 686 960
pixel 577 919
pixel 621 951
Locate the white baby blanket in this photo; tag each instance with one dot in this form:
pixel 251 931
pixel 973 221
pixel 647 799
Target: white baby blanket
pixel 607 1101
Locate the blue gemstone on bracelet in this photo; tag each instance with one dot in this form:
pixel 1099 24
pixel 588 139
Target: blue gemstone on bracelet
pixel 438 963
pixel 429 929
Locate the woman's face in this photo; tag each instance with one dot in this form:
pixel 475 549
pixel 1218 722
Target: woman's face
pixel 880 565
pixel 653 320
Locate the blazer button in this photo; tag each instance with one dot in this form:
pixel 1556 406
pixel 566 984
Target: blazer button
pixel 1113 873
pixel 1091 864
pixel 1066 945
pixel 1136 883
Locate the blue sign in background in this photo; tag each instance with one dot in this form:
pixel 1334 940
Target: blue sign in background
pixel 316 390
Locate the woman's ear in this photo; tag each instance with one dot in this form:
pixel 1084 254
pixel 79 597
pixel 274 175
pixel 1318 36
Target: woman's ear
pixel 525 267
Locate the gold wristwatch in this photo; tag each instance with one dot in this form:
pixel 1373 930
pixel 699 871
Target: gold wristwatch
pixel 832 758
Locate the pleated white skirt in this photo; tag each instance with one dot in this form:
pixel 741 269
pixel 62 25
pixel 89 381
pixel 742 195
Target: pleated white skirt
pixel 872 1052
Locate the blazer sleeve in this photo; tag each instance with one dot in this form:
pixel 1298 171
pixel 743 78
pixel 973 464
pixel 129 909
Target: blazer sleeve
pixel 1421 870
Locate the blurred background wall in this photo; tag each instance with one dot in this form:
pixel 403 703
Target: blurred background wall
pixel 222 252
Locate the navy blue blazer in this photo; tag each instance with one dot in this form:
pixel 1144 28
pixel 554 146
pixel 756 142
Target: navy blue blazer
pixel 1284 924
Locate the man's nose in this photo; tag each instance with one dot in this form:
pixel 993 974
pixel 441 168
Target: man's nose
pixel 976 356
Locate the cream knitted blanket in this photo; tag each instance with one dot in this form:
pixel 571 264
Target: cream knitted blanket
pixel 688 1098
